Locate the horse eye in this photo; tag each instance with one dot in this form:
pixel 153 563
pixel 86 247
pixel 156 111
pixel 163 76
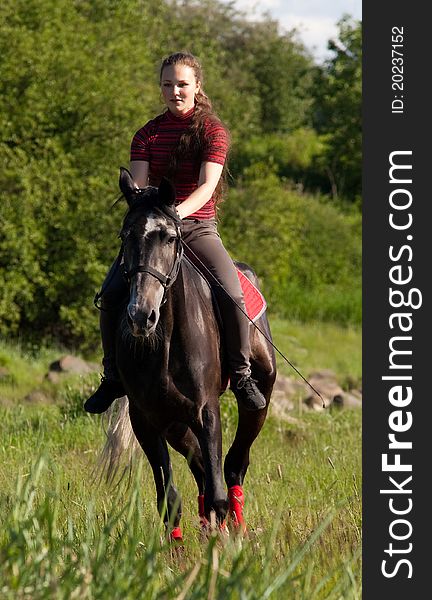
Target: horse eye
pixel 171 239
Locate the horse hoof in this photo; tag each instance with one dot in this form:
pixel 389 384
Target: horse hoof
pixel 223 529
pixel 204 523
pixel 212 529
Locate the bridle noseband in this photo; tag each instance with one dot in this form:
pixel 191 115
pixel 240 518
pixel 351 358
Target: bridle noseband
pixel 165 280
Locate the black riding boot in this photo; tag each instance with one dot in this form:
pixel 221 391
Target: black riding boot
pixel 110 387
pixel 248 394
pixel 206 250
pixel 236 332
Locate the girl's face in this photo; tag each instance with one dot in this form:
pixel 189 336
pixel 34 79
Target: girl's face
pixel 179 86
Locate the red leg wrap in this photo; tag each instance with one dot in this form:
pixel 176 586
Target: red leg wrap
pixel 201 512
pixel 176 535
pixel 236 504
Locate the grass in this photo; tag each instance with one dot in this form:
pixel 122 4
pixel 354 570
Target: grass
pixel 64 535
pixel 23 371
pixel 314 345
pixel 25 381
pixel 308 346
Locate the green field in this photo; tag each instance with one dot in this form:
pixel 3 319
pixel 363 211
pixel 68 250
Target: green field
pixel 65 535
pixel 79 78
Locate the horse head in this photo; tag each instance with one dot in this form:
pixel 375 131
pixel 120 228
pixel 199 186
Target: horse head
pixel 152 250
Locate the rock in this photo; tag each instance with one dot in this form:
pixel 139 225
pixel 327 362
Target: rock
pixel 357 394
pixel 348 400
pixel 289 387
pixel 280 405
pixel 323 374
pixel 352 383
pixel 53 377
pixel 287 393
pixel 36 397
pixel 72 364
pixel 69 364
pixel 326 384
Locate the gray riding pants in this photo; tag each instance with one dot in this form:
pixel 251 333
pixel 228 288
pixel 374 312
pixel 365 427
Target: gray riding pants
pixel 204 240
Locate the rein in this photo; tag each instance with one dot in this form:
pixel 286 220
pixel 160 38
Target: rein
pixel 99 294
pixel 254 324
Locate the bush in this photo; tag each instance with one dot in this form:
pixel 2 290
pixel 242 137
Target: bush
pixel 288 155
pixel 306 253
pixel 77 80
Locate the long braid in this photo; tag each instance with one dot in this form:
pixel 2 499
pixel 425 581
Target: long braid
pixel 192 142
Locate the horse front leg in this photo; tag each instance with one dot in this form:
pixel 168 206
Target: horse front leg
pixel 209 435
pixel 155 448
pixel 182 439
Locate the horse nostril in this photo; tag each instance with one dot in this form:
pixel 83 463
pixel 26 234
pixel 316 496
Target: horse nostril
pixel 140 321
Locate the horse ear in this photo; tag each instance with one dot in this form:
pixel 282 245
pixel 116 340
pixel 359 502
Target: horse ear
pixel 167 193
pixel 127 184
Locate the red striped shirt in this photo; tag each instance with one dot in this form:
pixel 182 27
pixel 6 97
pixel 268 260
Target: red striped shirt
pixel 155 143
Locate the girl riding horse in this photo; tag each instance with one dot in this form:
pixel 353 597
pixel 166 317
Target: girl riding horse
pixel 187 144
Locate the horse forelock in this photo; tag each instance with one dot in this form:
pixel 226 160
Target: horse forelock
pixel 147 205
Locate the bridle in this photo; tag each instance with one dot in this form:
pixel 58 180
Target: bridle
pixel 165 280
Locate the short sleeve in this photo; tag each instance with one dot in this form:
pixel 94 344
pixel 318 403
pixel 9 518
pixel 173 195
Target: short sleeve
pixel 140 146
pixel 217 143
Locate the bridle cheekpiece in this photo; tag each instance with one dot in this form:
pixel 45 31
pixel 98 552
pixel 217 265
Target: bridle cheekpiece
pixel 165 280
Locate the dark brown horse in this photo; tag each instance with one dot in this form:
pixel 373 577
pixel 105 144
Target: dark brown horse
pixel 170 358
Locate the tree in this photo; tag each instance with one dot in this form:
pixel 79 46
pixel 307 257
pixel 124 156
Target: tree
pixel 338 111
pixel 79 77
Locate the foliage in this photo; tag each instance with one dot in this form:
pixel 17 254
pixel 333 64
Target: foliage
pixel 64 116
pixel 338 111
pixel 281 71
pixel 288 155
pixel 78 78
pixel 306 252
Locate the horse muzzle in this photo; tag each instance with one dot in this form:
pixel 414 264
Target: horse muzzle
pixel 142 322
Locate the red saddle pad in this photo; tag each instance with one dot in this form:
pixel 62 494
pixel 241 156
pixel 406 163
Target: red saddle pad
pixel 254 300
